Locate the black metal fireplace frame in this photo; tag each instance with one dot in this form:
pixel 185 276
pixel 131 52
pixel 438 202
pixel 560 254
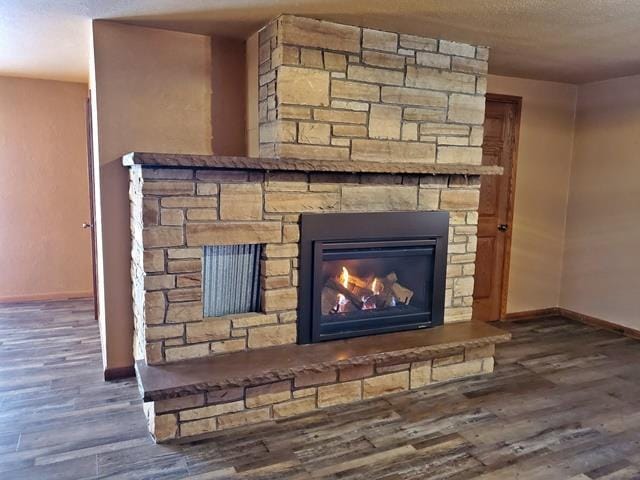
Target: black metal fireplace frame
pixel 320 231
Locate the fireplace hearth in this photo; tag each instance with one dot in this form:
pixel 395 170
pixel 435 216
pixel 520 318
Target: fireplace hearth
pixel 369 273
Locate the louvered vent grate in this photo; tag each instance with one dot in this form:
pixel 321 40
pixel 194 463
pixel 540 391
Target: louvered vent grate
pixel 231 279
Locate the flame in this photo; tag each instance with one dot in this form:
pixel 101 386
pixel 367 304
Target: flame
pixel 344 277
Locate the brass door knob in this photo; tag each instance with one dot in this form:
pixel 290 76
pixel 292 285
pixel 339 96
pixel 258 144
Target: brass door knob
pixel 87 225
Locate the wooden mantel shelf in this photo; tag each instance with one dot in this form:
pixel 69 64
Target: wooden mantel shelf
pixel 300 165
pixel 254 367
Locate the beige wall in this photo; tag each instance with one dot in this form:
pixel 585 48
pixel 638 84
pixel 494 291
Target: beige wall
pixel 44 195
pixel 601 260
pixel 543 169
pixel 152 93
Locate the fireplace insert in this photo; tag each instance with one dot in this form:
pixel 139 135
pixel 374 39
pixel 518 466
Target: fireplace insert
pixel 368 273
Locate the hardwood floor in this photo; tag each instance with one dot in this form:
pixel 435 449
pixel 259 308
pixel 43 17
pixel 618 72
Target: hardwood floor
pixel 564 403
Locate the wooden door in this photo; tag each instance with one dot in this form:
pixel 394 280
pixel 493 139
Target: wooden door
pixel 502 119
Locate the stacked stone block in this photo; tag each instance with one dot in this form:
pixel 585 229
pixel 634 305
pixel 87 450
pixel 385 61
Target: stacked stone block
pixel 339 92
pixel 175 212
pixel 222 409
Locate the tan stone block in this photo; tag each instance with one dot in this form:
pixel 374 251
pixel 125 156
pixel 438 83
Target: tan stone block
pixel 355 372
pixel 459 141
pixel 311 58
pixel 379 40
pixel 232 233
pixel 176 253
pixel 153 353
pixel 179 403
pixel 268 394
pixel 168 188
pixel 171 216
pixel 379 197
pixel 376 75
pixel 275 267
pixel 461 155
pixel 245 320
pixel 455 48
pixel 305 392
pixel 482 53
pixel 187 280
pixel 153 261
pixel 477 136
pixel 247 417
pixel 184 295
pixel 313 152
pixel 335 62
pixel 228 346
pixel 222 176
pixel 150 212
pixel 309 379
pixel 154 307
pixel 457 314
pixel 308 32
pixel 481 85
pixel 159 282
pixel 165 427
pixel 428 199
pixel 349 130
pixel 278 131
pixel 286 250
pixel 463 286
pixel 488 365
pixel 303 86
pixel 294 407
pixel 202 214
pixel 290 233
pixel 184 266
pixel 184 312
pixel 436 60
pixel 207 188
pixel 209 329
pixel 459 199
pixel 355 91
pixel 474 353
pixel 469 65
pixel 414 96
pixel 271 335
pixel 444 129
pixel 384 121
pixel 457 370
pixel 339 393
pixel 448 360
pixel 286 181
pixel 385 384
pixel 385 60
pixel 198 427
pixel 149 173
pixel 211 411
pixel 423 114
pixel 390 151
pixel 160 332
pixel 225 395
pixel 418 43
pixel 275 282
pixel 301 202
pixel 175 354
pixel 314 133
pixel 466 109
pixel 433 79
pixel 189 202
pixel 420 374
pixel 162 237
pixel 409 131
pixel 340 116
pixel 240 201
pixel 294 112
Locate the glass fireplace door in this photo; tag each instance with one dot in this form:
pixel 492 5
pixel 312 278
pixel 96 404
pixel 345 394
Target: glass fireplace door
pixel 372 287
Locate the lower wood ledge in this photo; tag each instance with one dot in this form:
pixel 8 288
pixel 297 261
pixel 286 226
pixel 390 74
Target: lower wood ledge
pixel 199 397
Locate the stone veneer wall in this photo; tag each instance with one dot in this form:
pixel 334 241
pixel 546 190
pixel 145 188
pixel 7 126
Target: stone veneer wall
pixel 176 211
pixel 340 92
pixel 222 409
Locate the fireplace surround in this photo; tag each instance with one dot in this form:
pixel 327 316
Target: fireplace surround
pixel 370 273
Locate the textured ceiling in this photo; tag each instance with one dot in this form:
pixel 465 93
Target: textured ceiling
pixel 573 41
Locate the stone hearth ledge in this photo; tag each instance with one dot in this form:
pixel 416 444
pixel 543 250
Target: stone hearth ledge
pixel 170 160
pixel 272 364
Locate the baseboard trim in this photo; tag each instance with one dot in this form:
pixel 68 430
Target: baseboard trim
pixel 119 373
pixel 42 297
pixel 532 314
pixel 570 314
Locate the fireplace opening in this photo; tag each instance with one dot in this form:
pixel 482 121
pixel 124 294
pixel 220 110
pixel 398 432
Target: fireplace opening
pixel 370 273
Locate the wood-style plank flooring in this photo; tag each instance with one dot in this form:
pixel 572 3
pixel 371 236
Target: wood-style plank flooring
pixel 564 403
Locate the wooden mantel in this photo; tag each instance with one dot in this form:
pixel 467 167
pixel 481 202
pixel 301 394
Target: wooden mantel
pixel 301 165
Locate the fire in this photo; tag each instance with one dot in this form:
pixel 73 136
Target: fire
pixel 344 277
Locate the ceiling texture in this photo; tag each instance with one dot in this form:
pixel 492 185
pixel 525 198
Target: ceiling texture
pixel 575 41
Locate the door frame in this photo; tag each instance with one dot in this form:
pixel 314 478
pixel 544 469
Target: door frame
pixel 92 206
pixel 506 264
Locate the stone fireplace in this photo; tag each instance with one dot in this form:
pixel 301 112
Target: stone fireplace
pixel 358 219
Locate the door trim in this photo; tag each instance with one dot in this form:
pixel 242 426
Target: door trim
pixel 517 101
